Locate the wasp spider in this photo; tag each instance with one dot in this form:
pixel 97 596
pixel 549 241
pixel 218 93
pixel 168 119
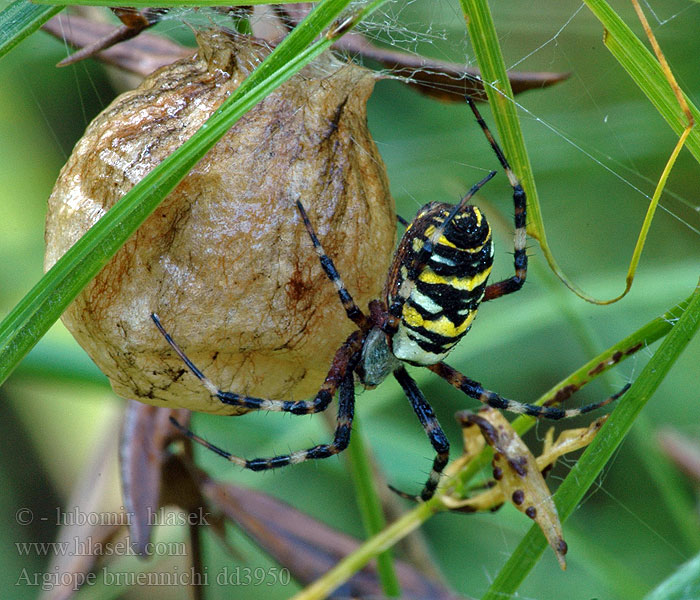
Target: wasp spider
pixel 436 281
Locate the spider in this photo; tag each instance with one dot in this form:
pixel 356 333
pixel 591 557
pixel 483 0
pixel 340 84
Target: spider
pixel 437 279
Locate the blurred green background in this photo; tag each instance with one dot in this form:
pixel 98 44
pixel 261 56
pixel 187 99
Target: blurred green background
pixel 597 147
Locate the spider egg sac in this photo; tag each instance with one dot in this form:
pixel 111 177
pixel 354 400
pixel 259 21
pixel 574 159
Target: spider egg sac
pixel 225 260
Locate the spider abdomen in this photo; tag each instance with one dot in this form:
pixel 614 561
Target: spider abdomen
pixel 446 293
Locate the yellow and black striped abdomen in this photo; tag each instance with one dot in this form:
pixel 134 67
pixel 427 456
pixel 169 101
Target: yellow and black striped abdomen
pixel 446 293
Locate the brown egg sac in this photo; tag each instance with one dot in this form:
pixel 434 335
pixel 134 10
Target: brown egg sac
pixel 225 260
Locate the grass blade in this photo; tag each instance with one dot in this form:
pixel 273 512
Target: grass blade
pixel 484 38
pixel 20 19
pixel 482 33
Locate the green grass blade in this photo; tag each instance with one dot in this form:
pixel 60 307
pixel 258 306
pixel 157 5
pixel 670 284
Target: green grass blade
pixel 370 507
pixel 487 50
pixel 684 584
pixel 588 467
pixel 482 33
pixel 43 305
pixel 20 19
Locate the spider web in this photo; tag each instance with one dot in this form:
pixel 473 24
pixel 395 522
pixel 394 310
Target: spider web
pixel 607 151
pixel 597 148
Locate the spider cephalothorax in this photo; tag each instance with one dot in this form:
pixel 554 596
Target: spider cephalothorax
pixel 435 284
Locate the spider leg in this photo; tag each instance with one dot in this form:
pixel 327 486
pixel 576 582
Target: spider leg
pixel 514 283
pixel 432 428
pixel 341 438
pixel 475 390
pixel 353 311
pixel 343 363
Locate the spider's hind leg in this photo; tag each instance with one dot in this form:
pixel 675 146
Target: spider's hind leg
pixel 353 311
pixel 341 437
pixel 344 362
pixel 475 390
pixel 340 377
pixel 432 428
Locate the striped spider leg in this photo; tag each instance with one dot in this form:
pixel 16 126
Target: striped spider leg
pixel 340 377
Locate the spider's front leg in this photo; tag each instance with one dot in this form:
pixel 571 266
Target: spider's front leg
pixel 353 311
pixel 432 428
pixel 514 283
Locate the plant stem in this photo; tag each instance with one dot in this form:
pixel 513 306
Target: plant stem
pixel 371 508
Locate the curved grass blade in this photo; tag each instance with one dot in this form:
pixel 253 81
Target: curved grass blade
pixel 632 55
pixel 588 467
pixel 645 70
pixel 630 47
pixel 42 306
pixel 20 19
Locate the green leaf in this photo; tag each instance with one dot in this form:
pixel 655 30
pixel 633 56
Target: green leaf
pixel 20 19
pixel 684 584
pixel 43 305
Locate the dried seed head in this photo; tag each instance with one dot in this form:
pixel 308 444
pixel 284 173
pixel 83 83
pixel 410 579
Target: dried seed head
pixel 225 260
